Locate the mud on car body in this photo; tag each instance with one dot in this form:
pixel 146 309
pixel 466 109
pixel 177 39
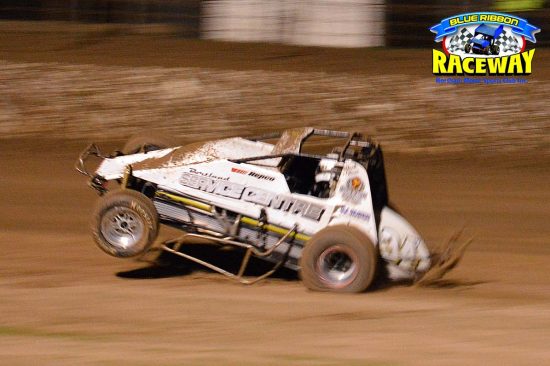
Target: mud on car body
pixel 324 215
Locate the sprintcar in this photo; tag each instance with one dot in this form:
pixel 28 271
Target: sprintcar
pixel 326 215
pixel 483 41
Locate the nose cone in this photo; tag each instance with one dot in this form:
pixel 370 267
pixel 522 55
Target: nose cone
pixel 401 246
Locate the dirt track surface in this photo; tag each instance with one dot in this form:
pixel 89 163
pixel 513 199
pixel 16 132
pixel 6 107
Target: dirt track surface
pixel 64 302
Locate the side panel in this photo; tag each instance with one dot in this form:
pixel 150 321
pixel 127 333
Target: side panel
pixel 246 189
pixel 353 201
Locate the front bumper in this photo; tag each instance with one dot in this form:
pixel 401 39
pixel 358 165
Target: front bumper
pixel 96 182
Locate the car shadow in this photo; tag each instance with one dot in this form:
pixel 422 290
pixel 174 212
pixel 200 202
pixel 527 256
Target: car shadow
pixel 382 284
pixel 452 284
pixel 167 265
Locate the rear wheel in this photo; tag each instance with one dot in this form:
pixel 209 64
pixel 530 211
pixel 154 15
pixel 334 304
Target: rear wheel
pixel 495 49
pixel 467 48
pixel 125 223
pixel 340 259
pixel 145 142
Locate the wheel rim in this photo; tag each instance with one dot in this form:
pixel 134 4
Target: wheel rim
pixel 337 266
pixel 123 228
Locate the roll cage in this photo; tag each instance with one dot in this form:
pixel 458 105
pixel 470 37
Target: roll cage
pixel 363 150
pixel 291 142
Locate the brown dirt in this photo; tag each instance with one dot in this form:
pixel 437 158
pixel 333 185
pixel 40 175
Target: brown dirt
pixel 64 302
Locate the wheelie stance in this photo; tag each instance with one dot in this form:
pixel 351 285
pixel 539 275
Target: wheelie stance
pixel 324 215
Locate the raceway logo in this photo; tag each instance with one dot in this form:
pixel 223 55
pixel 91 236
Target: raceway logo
pixel 483 43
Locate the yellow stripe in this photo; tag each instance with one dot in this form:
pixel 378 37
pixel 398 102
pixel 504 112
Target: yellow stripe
pixel 187 201
pixel 245 220
pixel 273 228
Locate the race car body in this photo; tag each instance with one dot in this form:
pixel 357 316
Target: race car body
pixel 324 215
pixel 484 39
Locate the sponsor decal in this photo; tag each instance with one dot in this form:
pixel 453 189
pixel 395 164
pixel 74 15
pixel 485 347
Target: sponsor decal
pixel 483 44
pixel 261 176
pixel 253 194
pixel 239 171
pixel 211 175
pixel 352 190
pixel 252 174
pixel 357 214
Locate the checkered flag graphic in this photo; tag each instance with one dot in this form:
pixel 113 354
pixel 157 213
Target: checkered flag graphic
pixel 507 42
pixel 459 40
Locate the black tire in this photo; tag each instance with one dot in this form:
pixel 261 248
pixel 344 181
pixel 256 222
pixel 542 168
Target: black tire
pixel 467 48
pixel 487 50
pixel 495 49
pixel 339 246
pixel 125 223
pixel 145 142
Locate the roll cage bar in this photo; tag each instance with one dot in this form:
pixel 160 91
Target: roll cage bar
pixel 291 142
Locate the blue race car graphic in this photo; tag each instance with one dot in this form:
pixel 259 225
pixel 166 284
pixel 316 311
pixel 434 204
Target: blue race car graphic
pixel 483 41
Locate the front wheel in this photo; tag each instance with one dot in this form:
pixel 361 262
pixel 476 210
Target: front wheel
pixel 467 48
pixel 340 259
pixel 125 223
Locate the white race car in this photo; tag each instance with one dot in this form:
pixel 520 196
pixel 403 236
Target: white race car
pixel 326 216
